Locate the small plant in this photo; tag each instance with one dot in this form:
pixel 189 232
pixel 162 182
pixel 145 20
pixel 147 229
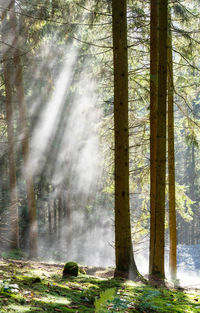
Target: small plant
pixel 101 304
pixel 6 286
pixel 16 254
pixel 118 303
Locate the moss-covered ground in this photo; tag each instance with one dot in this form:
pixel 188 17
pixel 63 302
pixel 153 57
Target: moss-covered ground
pixel 39 287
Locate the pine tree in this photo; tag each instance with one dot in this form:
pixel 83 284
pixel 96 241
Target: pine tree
pixel 159 241
pixel 18 78
pixel 153 120
pixel 171 161
pixel 123 244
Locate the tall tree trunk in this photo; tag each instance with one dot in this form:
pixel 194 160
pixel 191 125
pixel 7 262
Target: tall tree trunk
pixel 159 241
pixel 33 232
pixel 13 206
pixel 153 121
pixel 14 221
pixel 171 164
pixel 123 244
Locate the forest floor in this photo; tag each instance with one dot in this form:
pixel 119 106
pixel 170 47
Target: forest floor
pixel 27 286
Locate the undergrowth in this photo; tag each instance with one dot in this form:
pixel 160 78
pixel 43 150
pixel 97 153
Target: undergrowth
pixel 36 287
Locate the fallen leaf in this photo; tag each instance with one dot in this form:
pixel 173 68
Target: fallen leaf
pixel 71 306
pixel 76 288
pixel 58 310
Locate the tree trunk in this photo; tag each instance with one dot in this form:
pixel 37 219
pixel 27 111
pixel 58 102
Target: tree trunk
pixel 55 219
pixel 60 220
pixel 153 121
pixel 50 223
pixel 33 232
pixel 159 241
pixel 13 205
pixel 171 165
pixel 125 264
pixel 14 221
pixel 68 222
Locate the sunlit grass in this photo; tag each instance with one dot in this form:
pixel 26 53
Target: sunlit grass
pixel 20 309
pixel 42 288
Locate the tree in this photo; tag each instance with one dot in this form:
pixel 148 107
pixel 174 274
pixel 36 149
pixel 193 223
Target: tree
pixel 18 79
pixel 125 262
pixel 13 208
pixel 153 121
pixel 171 161
pixel 159 241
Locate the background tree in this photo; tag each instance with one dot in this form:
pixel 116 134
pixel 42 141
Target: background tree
pixel 18 79
pixel 171 161
pixel 13 238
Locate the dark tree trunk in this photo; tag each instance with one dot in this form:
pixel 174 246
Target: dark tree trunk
pixel 153 121
pixel 159 241
pixel 125 263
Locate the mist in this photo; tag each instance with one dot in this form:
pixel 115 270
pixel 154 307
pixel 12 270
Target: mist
pixel 68 85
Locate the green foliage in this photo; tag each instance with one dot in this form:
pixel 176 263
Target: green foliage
pixel 147 300
pixel 183 203
pixel 101 304
pixel 16 254
pixel 55 294
pixel 181 11
pixel 117 304
pixel 191 140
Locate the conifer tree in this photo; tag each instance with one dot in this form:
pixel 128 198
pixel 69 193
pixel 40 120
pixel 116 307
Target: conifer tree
pixel 13 205
pixel 171 161
pixel 153 120
pixel 18 79
pixel 125 263
pixel 159 240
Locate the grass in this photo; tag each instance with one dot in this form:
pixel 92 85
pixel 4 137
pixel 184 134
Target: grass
pixel 40 287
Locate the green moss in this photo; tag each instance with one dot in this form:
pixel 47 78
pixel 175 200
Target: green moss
pixel 72 269
pixel 78 293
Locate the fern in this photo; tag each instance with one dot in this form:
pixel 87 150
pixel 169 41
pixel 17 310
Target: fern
pixel 101 303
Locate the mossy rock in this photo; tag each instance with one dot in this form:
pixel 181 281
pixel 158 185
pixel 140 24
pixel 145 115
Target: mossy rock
pixel 72 269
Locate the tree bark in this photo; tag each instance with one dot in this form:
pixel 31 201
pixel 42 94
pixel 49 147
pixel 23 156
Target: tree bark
pixel 159 240
pixel 13 208
pixel 33 231
pixel 7 73
pixel 171 165
pixel 125 263
pixel 153 121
